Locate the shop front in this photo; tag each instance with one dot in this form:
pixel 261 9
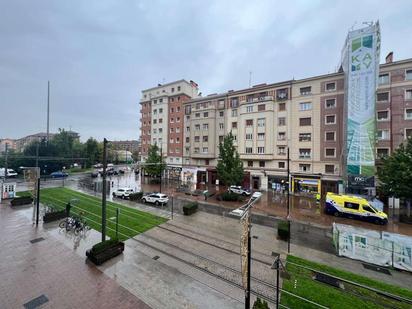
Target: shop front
pixel 173 172
pixel 306 186
pixel 277 183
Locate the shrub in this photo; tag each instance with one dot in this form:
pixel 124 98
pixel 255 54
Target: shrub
pixel 101 246
pixel 230 197
pixel 190 208
pixel 260 304
pixel 136 196
pixel 283 230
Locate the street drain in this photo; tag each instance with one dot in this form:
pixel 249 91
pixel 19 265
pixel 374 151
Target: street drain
pixel 33 241
pixel 377 268
pixel 255 237
pixel 36 302
pixel 324 278
pixel 275 253
pixel 156 257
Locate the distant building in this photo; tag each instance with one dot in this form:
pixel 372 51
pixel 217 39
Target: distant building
pixel 23 142
pixel 131 145
pixel 11 144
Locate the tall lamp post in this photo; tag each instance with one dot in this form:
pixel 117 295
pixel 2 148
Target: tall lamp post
pixel 288 201
pixel 104 190
pixel 161 165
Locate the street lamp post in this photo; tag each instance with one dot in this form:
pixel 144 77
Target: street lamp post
pixel 161 161
pixel 104 190
pixel 288 202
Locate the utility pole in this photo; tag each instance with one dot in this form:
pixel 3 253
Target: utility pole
pixel 104 190
pixel 288 202
pixel 249 260
pixel 48 110
pixel 161 171
pixel 5 161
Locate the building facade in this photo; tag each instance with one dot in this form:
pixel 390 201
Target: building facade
pixel 8 143
pixel 132 145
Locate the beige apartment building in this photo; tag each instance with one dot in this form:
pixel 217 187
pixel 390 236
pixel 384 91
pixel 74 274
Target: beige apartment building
pixel 305 116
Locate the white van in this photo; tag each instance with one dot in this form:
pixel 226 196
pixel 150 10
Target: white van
pixel 10 172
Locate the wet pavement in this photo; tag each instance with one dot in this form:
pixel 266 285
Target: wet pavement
pixel 54 267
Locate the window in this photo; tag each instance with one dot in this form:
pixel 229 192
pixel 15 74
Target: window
pixel 197 115
pixel 250 163
pixel 234 102
pixel 408 113
pixel 330 119
pixel 172 99
pixel 205 126
pixel 304 167
pixel 187 129
pixel 305 90
pixel 249 136
pixel 304 153
pixel 220 138
pixel 305 121
pixel 177 130
pixel 178 119
pixel 382 97
pixel 282 107
pixel 281 121
pixel 160 110
pixel 205 150
pixel 155 101
pixel 330 152
pixel 207 162
pixel 261 150
pixel 221 126
pixel 330 86
pixel 160 120
pixel 205 114
pixel 221 113
pixel 197 127
pixel 196 150
pixel 172 120
pixel 234 125
pixel 155 112
pixel 383 115
pixel 205 138
pixel 281 164
pixel 305 137
pixel 383 79
pixel 248 149
pixel 178 140
pixel 154 141
pixel 261 163
pixel 329 169
pixel 281 150
pixel 173 89
pixel 171 140
pixel 350 205
pixel 249 108
pixel 178 88
pixel 368 209
pixel 383 134
pixel 178 109
pixel 408 94
pixel 154 131
pixel 154 121
pixel 172 110
pixel 281 136
pixel 330 136
pixel 234 112
pixel 261 136
pixel 249 122
pixel 330 103
pixel 282 94
pixel 408 75
pixel 408 133
pixel 235 137
pixel 261 122
pixel 305 106
pixel 382 152
pixel 249 98
pixel 261 107
pixel 197 139
pixel 187 140
pixel 172 130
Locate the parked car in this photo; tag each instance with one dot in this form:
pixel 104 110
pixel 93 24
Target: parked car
pixel 155 198
pixel 123 192
pixel 355 207
pixel 59 174
pixel 98 165
pixel 239 190
pixel 10 172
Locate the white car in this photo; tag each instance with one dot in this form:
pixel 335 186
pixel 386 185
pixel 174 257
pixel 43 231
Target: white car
pixel 10 172
pixel 239 190
pixel 123 192
pixel 155 198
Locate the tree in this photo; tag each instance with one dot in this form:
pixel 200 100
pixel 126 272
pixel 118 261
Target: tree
pixel 92 151
pixel 155 164
pixel 229 167
pixel 395 174
pixel 260 304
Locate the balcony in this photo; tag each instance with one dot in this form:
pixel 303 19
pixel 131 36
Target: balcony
pixel 201 155
pixel 256 156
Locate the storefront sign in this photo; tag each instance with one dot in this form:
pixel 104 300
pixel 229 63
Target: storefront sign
pixel 361 181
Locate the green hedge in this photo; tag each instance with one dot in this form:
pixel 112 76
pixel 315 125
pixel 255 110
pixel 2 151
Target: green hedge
pixel 101 246
pixel 283 230
pixel 229 197
pixel 190 208
pixel 260 304
pixel 136 196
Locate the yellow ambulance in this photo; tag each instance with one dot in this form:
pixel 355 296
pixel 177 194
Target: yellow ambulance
pixel 352 206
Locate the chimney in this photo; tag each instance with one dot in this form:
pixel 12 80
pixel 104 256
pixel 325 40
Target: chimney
pixel 389 58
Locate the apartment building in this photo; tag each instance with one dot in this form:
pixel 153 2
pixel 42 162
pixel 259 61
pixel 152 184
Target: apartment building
pixel 306 116
pixel 162 120
pixel 8 143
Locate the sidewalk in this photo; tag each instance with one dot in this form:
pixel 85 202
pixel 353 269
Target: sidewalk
pixel 29 270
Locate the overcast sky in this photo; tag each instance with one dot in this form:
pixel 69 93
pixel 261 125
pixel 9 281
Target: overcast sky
pixel 99 55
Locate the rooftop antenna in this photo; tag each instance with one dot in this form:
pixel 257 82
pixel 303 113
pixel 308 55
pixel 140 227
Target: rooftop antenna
pixel 48 109
pixel 250 79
